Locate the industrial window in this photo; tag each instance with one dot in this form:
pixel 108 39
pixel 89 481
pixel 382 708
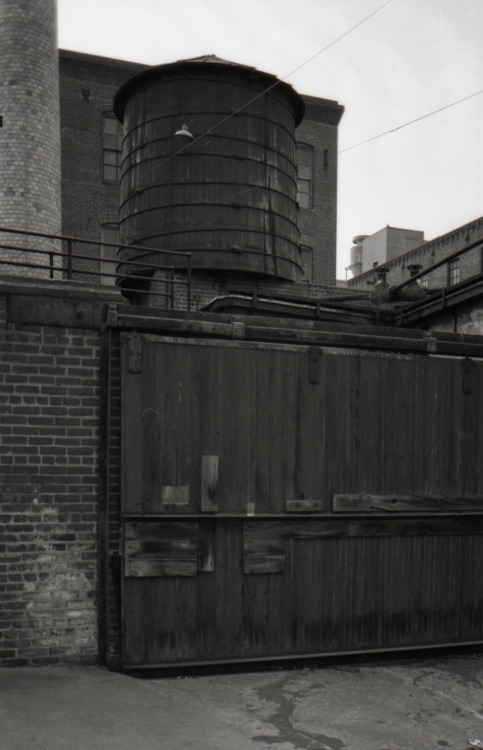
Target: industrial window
pixel 453 272
pixel 304 175
pixel 306 260
pixel 109 233
pixel 111 148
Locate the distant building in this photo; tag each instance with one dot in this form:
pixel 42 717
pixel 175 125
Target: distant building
pixel 425 255
pixel 386 244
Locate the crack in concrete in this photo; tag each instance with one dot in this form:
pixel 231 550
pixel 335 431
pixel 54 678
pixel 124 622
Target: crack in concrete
pixel 277 693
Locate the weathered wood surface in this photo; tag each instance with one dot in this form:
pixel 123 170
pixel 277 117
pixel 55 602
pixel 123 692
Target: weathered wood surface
pixel 153 549
pixel 246 428
pixel 290 439
pixel 303 506
pixel 404 504
pixel 327 594
pixel 209 484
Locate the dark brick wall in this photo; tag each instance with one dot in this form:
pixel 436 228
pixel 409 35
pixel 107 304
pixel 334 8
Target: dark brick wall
pixel 318 224
pixel 49 380
pixel 87 88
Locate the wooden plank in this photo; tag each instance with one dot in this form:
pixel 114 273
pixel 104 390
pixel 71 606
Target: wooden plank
pixel 405 503
pixel 260 429
pixel 227 602
pixel 160 568
pixel 135 353
pixel 303 506
pixel 263 564
pixel 175 495
pixel 262 554
pixel 206 548
pixel 363 527
pixel 315 360
pixel 160 549
pixel 275 444
pixel 131 470
pixel 209 484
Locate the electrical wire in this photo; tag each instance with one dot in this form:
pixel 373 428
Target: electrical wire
pixel 411 122
pixel 272 86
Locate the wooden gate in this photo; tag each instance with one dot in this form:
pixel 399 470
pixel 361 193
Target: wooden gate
pixel 285 500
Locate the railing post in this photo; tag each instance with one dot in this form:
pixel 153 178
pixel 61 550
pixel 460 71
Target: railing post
pixel 69 260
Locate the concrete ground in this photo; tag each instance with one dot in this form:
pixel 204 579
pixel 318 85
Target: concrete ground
pixel 415 704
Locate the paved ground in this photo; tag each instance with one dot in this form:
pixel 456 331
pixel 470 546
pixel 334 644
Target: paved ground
pixel 395 705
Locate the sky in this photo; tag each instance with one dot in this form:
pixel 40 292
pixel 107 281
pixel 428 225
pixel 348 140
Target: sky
pixel 410 58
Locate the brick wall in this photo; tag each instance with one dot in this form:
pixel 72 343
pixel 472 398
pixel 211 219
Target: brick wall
pixel 52 459
pixel 49 466
pixel 87 88
pixel 318 224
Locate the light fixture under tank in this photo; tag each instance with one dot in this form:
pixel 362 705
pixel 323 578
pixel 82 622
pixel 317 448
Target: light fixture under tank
pixel 185 131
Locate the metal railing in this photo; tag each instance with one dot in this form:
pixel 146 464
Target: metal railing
pixel 134 270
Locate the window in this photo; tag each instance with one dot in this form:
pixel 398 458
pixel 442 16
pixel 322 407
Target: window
pixel 109 233
pixel 453 271
pixel 424 280
pixel 304 176
pixel 306 262
pixel 111 148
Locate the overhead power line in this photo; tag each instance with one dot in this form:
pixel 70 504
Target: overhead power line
pixel 411 122
pixel 328 46
pixel 272 86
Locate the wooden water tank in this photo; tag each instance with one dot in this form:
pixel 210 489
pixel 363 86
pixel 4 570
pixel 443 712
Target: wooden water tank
pixel 228 194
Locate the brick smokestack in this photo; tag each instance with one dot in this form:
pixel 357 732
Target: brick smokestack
pixel 30 127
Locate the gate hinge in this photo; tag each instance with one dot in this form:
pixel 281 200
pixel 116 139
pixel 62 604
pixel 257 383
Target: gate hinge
pixel 135 353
